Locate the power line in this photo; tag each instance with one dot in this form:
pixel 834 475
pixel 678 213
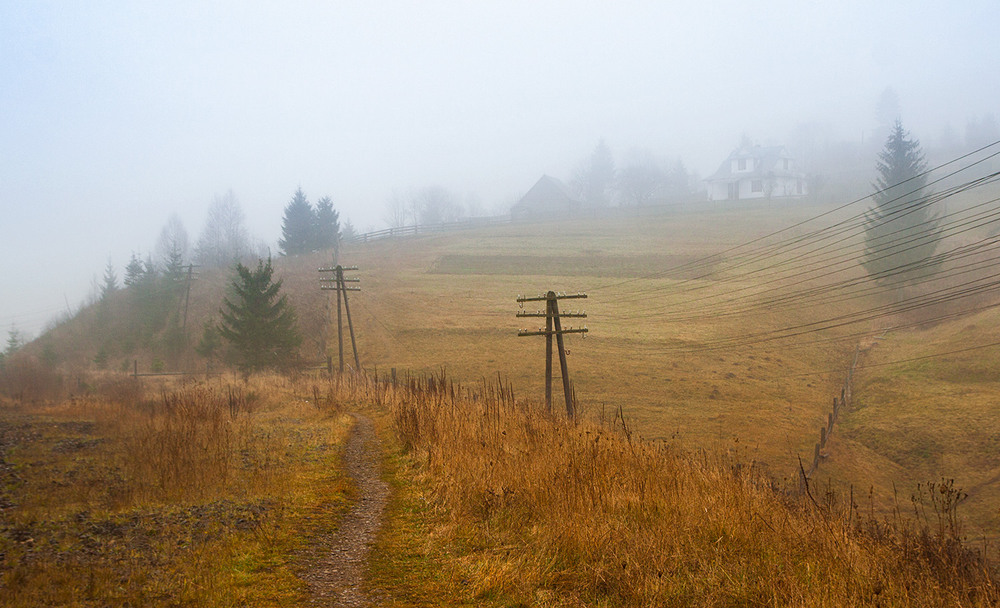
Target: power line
pixel 731 303
pixel 708 260
pixel 851 227
pixel 897 361
pixel 832 265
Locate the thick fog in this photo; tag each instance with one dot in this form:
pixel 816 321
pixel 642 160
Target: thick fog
pixel 115 115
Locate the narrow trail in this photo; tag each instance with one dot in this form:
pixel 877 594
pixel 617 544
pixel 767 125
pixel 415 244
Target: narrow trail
pixel 338 570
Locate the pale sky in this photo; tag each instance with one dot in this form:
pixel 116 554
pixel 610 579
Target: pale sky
pixel 113 115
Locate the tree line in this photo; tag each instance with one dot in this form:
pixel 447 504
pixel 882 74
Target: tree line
pixel 305 229
pixel 256 326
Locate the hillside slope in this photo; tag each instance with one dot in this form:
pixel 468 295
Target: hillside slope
pixel 447 301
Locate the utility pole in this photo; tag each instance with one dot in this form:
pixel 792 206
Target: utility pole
pixel 182 303
pixel 187 295
pixel 341 287
pixel 553 327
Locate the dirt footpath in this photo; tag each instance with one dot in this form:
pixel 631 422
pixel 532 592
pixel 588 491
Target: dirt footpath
pixel 339 561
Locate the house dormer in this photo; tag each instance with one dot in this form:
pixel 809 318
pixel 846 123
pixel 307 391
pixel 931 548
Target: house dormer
pixel 757 172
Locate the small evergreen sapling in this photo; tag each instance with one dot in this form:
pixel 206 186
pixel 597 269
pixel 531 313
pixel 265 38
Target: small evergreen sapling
pixel 258 322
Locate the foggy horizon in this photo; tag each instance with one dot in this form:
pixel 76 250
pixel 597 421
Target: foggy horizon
pixel 116 115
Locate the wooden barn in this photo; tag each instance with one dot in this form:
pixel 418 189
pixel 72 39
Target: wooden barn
pixel 548 197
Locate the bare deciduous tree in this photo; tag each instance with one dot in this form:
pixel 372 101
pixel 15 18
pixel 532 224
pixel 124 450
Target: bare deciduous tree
pixel 397 210
pixel 435 205
pixel 641 179
pixel 225 239
pixel 594 178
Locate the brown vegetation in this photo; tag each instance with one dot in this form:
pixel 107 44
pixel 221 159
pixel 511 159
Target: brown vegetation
pixel 140 494
pixel 531 509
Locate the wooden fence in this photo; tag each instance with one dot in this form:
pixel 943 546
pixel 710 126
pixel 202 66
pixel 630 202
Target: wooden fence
pixel 475 222
pixel 839 403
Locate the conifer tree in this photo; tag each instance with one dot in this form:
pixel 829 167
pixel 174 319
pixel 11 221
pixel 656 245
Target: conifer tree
pixel 15 340
pixel 298 227
pixel 110 281
pixel 327 231
pixel 173 263
pixel 134 271
pixel 901 230
pixel 259 324
pixel 210 342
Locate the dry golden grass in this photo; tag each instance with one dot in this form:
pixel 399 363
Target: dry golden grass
pixel 148 494
pixel 514 507
pixel 422 310
pixel 447 302
pixel 923 420
pixel 413 316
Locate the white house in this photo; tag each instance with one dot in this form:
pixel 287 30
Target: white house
pixel 757 172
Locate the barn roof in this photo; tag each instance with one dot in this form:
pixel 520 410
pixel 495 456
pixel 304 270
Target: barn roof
pixel 548 195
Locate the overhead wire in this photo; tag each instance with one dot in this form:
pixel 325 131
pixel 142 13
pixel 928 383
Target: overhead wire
pixel 710 260
pixel 896 361
pixel 813 260
pixel 852 318
pixel 831 235
pixel 830 267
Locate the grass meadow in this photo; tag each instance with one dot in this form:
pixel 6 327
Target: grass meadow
pixel 498 504
pixel 447 302
pixel 676 486
pixel 149 494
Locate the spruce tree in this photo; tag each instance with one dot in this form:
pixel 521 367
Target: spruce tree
pixel 327 231
pixel 110 281
pixel 210 342
pixel 15 340
pixel 298 227
pixel 259 324
pixel 134 271
pixel 173 263
pixel 901 229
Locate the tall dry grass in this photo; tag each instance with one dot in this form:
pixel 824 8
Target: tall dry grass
pixel 588 513
pixel 150 493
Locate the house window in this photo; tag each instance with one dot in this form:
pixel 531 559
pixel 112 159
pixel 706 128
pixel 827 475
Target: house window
pixel 741 165
pixel 784 163
pixel 757 185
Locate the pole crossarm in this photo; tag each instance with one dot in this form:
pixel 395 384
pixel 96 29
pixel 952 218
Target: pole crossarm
pixel 543 315
pixel 334 269
pixel 554 332
pixel 553 329
pixel 545 297
pixel 341 287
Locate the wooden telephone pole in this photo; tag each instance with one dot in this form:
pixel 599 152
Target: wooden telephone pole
pixel 187 294
pixel 553 327
pixel 341 287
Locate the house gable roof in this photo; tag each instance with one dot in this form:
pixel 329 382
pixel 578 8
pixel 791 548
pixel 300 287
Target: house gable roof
pixel 547 195
pixel 766 164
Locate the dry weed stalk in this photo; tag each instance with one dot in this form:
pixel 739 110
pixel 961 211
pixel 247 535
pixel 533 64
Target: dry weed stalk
pixel 595 513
